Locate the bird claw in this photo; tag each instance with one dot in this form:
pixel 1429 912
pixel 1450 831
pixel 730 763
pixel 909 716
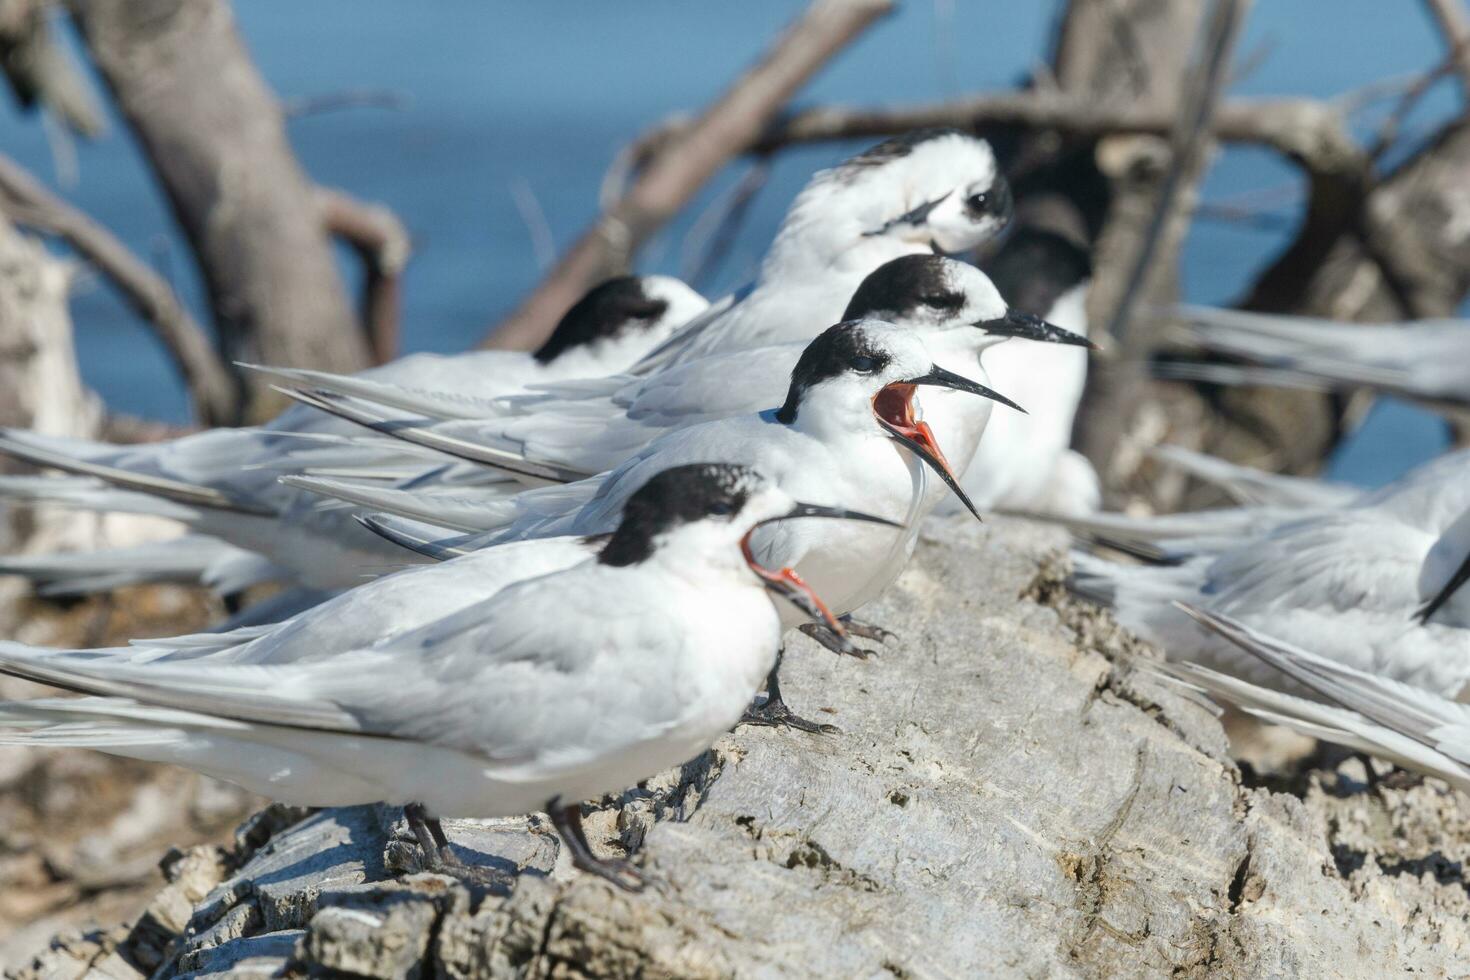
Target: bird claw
pixel 837 644
pixel 619 872
pixel 868 631
pixel 445 862
pixel 774 714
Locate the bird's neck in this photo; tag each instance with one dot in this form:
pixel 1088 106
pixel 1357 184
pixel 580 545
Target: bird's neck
pixel 834 417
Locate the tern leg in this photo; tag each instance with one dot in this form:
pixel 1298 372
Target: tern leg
pixel 568 823
pixel 773 712
pixel 440 857
pixel 868 631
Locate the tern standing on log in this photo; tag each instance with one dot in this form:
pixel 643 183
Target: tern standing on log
pixel 558 689
pixel 1368 586
pixel 850 427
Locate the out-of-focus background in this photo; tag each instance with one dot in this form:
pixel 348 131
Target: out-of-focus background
pixel 488 129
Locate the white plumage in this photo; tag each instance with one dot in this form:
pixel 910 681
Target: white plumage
pixel 223 482
pixel 564 679
pixel 1347 581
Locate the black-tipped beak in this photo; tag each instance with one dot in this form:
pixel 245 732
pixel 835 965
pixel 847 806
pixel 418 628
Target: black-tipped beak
pixel 941 378
pixel 1029 327
pixel 1456 581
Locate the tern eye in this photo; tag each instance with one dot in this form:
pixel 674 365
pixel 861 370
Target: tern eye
pixel 943 301
pixel 979 203
pixel 864 364
pixel 722 509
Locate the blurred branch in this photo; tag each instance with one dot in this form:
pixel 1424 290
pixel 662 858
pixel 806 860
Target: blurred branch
pixel 1309 132
pixel 1454 24
pixel 1408 99
pixel 39 70
pixel 210 384
pixel 383 246
pixel 713 233
pixel 1188 142
pixel 315 105
pixel 533 216
pixel 674 175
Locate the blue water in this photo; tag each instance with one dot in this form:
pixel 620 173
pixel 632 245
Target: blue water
pixel 494 96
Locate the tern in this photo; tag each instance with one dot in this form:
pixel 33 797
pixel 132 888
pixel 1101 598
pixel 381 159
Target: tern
pixel 850 428
pixel 1429 498
pixel 1408 726
pixel 222 483
pixel 1426 360
pixel 559 688
pixel 585 427
pixel 1366 586
pixel 1025 461
pixel 930 190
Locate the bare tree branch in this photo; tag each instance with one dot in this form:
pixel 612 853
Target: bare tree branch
pixel 1188 142
pixel 210 384
pixel 1408 99
pixel 1454 24
pixel 1309 132
pixel 214 135
pixel 672 177
pixel 40 72
pixel 383 245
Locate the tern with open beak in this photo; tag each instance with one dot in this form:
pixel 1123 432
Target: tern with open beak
pixel 559 688
pixel 850 429
pixel 590 426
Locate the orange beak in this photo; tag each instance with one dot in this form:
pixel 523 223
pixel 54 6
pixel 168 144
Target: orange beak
pixel 893 407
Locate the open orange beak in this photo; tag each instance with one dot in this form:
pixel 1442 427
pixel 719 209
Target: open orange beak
pixel 789 585
pixel 893 407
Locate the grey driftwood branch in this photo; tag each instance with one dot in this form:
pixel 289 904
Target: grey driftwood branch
pixel 383 246
pixel 1454 24
pixel 691 157
pixel 210 383
pixel 214 136
pixel 39 71
pixel 1310 132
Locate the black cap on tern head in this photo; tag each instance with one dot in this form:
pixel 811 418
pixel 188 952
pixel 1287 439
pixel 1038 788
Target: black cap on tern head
pixel 676 496
pixel 837 350
pixel 605 311
pixel 901 285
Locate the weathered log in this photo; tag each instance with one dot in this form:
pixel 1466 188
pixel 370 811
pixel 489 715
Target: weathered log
pixel 1010 795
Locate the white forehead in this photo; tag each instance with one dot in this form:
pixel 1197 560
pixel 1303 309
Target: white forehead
pixel 952 162
pixel 975 284
pixel 900 342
